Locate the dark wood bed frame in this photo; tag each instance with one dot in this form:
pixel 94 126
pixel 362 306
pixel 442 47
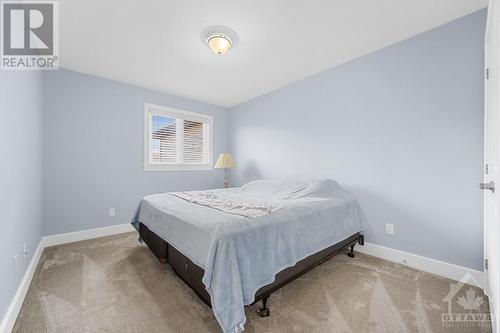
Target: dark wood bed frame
pixel 192 274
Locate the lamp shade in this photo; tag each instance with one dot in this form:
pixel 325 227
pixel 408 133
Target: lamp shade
pixel 224 161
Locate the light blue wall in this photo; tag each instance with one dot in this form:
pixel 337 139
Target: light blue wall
pixel 401 128
pixel 93 151
pixel 20 175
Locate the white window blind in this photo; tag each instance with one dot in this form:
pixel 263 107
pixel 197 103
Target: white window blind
pixel 176 139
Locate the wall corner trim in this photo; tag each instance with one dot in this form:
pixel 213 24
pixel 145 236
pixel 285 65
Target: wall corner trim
pixel 437 267
pixel 10 316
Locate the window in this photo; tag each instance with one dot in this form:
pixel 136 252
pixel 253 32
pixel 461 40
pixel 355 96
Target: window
pixel 176 139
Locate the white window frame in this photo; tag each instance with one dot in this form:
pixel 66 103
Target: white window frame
pixel 152 109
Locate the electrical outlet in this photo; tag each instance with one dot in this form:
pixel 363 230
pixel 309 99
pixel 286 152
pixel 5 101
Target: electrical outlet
pixel 389 229
pixel 112 212
pixel 15 263
pixel 25 250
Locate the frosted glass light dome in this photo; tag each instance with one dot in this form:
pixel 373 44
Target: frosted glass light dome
pixel 219 43
pixel 219 39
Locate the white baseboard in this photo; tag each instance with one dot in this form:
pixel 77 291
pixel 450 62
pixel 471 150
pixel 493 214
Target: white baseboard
pixel 76 236
pixel 441 268
pixel 10 316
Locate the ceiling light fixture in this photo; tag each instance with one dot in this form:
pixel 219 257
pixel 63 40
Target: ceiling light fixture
pixel 219 39
pixel 219 43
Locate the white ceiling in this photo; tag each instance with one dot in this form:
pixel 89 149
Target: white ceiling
pixel 156 43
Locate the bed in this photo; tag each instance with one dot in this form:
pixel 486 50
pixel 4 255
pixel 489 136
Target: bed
pixel 237 246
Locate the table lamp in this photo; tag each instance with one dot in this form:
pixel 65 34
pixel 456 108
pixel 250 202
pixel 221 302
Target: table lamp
pixel 225 161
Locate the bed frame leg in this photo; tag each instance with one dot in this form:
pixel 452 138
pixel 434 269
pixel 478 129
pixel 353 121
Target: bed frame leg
pixel 361 241
pixel 351 252
pixel 264 312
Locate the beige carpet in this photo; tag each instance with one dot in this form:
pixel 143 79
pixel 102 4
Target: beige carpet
pixel 114 284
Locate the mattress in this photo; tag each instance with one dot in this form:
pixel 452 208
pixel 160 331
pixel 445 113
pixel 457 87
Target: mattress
pixel 242 249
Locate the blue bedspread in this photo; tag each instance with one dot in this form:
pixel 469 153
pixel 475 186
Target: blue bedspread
pixel 242 254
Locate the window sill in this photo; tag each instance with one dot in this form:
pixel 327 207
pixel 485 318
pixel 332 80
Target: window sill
pixel 177 167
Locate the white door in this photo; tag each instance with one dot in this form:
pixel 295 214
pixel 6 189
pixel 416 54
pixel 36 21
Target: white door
pixel 492 159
